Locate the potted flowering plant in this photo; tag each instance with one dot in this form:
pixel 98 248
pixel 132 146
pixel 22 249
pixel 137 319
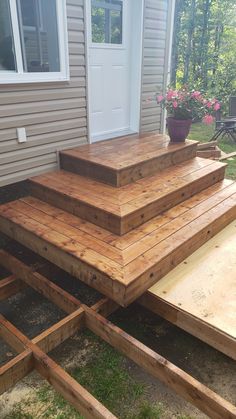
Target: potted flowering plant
pixel 184 106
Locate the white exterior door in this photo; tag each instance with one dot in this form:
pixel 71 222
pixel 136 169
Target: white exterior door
pixel 110 67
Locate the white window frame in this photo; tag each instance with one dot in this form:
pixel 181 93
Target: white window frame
pixel 19 76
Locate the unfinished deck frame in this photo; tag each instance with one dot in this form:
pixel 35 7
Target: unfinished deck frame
pixel 32 354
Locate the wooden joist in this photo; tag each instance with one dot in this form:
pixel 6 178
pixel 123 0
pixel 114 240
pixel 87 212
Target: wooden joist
pixel 179 381
pixel 63 383
pixel 33 352
pixel 10 286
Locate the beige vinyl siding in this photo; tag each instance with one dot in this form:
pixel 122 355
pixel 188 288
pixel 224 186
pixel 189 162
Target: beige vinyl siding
pixel 54 114
pixel 155 54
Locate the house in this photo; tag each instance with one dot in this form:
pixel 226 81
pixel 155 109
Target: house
pixel 77 71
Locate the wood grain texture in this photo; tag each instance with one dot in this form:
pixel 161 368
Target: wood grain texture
pixel 124 267
pixel 199 295
pixel 34 356
pixel 123 160
pixel 185 385
pixel 63 383
pixel 120 210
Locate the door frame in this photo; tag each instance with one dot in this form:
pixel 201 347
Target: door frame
pixel 135 62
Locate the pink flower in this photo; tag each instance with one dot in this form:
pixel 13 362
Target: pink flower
pixel 209 105
pixel 208 119
pixel 160 98
pixel 175 104
pixel 217 106
pixel 196 94
pixel 170 94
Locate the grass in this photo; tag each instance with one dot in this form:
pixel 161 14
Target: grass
pixel 107 377
pixel 204 133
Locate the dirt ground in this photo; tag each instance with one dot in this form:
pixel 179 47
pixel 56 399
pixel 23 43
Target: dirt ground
pixel 31 313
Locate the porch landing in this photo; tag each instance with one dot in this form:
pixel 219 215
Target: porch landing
pixel 180 220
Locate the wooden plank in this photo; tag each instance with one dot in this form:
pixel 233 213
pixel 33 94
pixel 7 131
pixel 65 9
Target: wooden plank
pixel 121 210
pixel 16 369
pixel 39 283
pixel 181 219
pixel 62 330
pixel 157 262
pixel 210 154
pixel 212 297
pixel 63 383
pixel 66 260
pixel 182 383
pixel 206 146
pixel 214 337
pixel 199 294
pixel 117 165
pixel 10 286
pixel 70 389
pixel 228 156
pixel 11 338
pixel 161 244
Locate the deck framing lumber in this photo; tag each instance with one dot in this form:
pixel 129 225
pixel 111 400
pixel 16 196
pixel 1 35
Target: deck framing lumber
pixel 32 353
pixel 191 324
pixel 10 286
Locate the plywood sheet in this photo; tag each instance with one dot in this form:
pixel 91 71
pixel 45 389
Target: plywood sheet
pixel 204 285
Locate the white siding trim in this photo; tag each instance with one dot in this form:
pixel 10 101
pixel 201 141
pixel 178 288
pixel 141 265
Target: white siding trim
pixel 167 68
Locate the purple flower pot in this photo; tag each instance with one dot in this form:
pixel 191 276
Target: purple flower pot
pixel 178 129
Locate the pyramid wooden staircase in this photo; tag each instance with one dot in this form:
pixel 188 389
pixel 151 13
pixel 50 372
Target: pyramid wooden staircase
pixel 120 214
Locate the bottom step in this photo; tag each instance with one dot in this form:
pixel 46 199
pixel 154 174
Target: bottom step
pixel 122 268
pixel 199 295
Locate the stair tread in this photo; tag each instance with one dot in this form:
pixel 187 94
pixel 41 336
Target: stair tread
pixel 122 209
pixel 137 149
pixel 120 267
pixel 123 160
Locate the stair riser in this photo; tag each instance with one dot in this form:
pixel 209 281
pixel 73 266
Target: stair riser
pixel 122 225
pixel 71 264
pixel 75 207
pixel 174 198
pixel 128 175
pixel 116 291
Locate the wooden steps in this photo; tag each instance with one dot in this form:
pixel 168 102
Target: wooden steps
pixel 120 210
pixel 126 159
pixel 159 205
pixel 120 267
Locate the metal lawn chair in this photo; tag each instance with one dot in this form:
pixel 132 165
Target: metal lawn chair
pixel 227 126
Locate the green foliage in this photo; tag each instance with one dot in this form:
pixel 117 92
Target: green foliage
pixel 148 411
pixel 107 379
pixel 204 47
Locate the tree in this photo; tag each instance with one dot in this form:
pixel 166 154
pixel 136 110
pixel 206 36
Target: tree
pixel 204 46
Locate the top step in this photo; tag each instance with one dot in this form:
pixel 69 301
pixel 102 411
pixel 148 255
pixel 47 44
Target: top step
pixel 124 160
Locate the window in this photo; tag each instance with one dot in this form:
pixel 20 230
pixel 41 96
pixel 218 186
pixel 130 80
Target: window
pixel 33 41
pixel 7 51
pixel 107 21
